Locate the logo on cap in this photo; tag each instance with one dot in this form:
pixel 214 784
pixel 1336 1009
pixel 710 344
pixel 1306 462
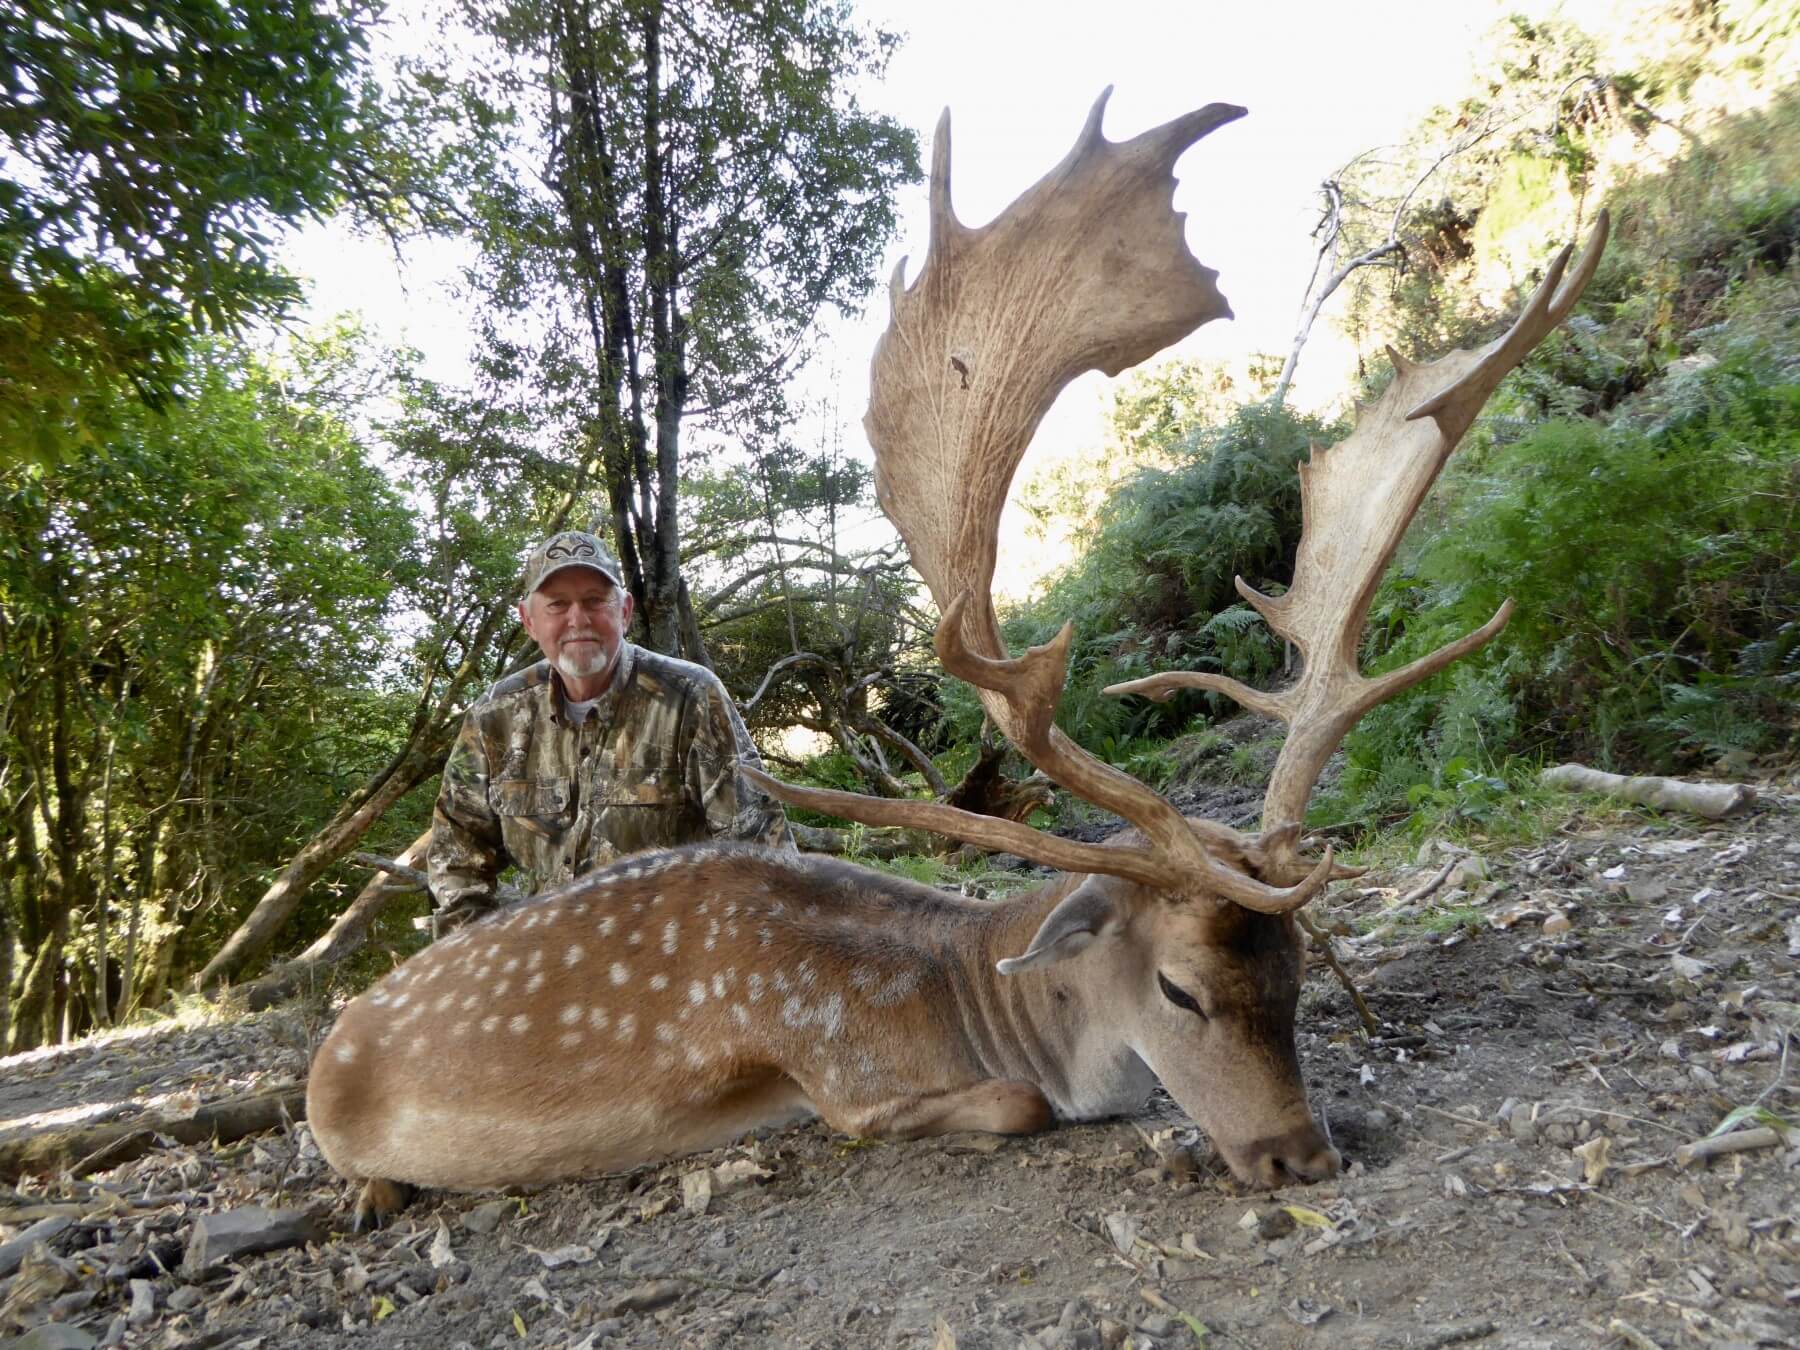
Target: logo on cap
pixel 571 548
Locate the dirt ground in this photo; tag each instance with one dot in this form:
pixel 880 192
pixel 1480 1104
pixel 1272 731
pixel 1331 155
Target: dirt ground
pixel 1557 1021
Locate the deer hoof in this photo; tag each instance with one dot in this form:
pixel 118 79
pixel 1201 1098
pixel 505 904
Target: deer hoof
pixel 378 1202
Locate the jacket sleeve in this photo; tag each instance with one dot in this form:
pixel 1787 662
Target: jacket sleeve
pixel 466 845
pixel 735 807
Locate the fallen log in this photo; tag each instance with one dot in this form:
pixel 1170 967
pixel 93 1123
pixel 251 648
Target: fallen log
pixel 877 843
pixel 1711 800
pixel 81 1149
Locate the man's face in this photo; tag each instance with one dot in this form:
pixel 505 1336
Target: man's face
pixel 578 620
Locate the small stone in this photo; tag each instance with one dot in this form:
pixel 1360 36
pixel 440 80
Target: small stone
pixel 649 1297
pixel 73 1302
pixel 233 1234
pixel 1277 1223
pixel 1524 1128
pixel 186 1298
pixel 486 1218
pixel 44 1230
pixel 143 1303
pixel 1377 1121
pixel 54 1336
pixel 1156 1325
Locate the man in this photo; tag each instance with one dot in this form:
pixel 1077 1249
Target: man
pixel 598 750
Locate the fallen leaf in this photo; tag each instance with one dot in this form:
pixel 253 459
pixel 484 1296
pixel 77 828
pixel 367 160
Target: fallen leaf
pixel 737 1174
pixel 1596 1157
pixel 572 1254
pixel 383 1307
pixel 519 1325
pixel 1558 922
pixel 1304 1312
pixel 1687 967
pixel 697 1190
pixel 1310 1217
pixel 942 1337
pixel 440 1254
pixel 1123 1230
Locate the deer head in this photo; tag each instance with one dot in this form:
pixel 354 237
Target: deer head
pixel 1089 270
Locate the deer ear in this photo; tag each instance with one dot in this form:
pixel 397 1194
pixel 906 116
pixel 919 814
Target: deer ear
pixel 1092 910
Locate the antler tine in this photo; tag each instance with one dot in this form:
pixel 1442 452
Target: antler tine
pixel 1356 501
pixel 999 319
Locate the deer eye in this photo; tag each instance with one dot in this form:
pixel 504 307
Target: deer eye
pixel 1177 995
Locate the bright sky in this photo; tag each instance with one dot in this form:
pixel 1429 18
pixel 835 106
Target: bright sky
pixel 1322 82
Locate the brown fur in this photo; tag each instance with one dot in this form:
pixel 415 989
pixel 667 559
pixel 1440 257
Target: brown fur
pixel 675 1001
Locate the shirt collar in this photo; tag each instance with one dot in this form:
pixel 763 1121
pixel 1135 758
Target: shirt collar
pixel 608 702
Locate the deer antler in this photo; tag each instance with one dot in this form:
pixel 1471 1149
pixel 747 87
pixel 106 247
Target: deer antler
pixel 1089 269
pixel 1357 499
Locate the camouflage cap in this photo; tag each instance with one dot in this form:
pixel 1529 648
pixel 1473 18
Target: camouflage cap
pixel 571 548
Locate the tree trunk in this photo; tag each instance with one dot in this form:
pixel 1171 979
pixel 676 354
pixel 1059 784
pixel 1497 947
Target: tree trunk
pixel 342 939
pixel 33 1018
pixel 337 838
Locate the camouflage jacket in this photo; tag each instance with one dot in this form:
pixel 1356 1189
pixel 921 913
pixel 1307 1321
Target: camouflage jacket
pixel 654 764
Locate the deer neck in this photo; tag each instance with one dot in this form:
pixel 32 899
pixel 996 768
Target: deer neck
pixel 1052 1027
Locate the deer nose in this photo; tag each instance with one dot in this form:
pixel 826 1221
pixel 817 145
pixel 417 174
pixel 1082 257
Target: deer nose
pixel 1301 1155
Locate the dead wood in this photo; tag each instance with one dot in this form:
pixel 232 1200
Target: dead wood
pixel 1711 800
pixel 894 843
pixel 82 1149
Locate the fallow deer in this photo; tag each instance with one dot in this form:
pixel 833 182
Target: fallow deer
pixel 674 1001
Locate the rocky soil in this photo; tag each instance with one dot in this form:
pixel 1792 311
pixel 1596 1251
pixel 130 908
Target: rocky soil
pixel 1560 1027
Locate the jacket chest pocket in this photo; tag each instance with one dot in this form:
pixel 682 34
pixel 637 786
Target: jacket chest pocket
pixel 652 788
pixel 545 800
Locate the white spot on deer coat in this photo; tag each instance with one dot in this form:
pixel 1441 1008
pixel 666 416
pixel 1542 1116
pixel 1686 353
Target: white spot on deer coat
pixel 740 1014
pixel 598 1018
pixel 569 1040
pixel 659 982
pixel 606 925
pixel 500 988
pixel 571 1015
pixel 697 993
pixel 489 1022
pixel 900 985
pixel 671 937
pixel 379 996
pixel 666 1033
pixel 510 965
pixel 619 973
pixel 718 986
pixel 755 984
pixel 696 1057
pixel 536 959
pixel 346 1052
pixel 636 939
pixel 573 956
pixel 627 1027
pixel 520 1024
pixel 535 983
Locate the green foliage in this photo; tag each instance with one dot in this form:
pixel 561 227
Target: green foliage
pixel 152 149
pixel 1152 589
pixel 1657 590
pixel 202 607
pixel 665 195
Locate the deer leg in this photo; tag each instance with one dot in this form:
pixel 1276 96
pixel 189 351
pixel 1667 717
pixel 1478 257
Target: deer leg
pixel 995 1105
pixel 379 1201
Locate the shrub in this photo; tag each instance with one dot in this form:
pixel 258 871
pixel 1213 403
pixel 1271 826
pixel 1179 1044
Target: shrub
pixel 1656 586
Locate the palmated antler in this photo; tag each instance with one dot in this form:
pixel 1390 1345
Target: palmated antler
pixel 1357 499
pixel 1088 270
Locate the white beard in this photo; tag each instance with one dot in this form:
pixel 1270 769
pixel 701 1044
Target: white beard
pixel 596 660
